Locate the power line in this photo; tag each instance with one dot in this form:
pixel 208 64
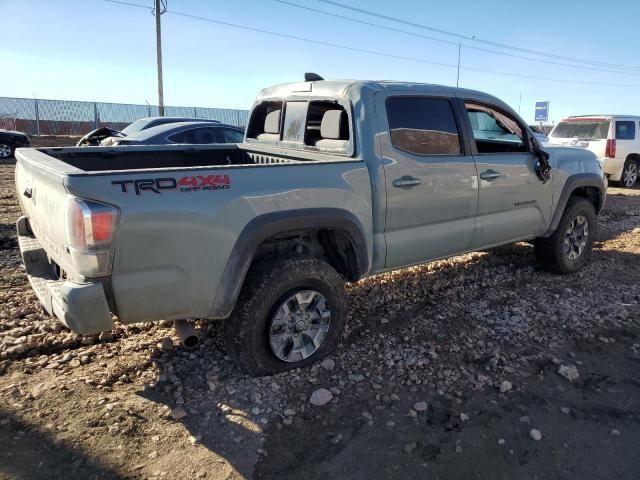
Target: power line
pixel 371 52
pixel 487 42
pixel 450 42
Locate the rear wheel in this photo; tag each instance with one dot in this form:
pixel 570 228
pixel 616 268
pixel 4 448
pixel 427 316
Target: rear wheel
pixel 6 150
pixel 629 174
pixel 290 314
pixel 570 246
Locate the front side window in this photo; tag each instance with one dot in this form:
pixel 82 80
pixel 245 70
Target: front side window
pixel 625 130
pixel 423 126
pixel 230 135
pixel 495 131
pixel 206 135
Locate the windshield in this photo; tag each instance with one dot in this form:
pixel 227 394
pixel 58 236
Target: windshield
pixel 588 128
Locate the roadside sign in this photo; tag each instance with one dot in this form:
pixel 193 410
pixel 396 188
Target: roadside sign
pixel 542 111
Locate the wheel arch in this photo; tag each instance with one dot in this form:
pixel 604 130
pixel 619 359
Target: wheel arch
pixel 590 186
pixel 633 156
pixel 338 233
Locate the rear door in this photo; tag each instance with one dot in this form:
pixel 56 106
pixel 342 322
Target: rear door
pixel 431 184
pixel 513 203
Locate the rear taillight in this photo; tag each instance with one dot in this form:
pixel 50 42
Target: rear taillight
pixel 90 230
pixel 610 150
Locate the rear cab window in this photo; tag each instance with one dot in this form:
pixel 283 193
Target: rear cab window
pixel 625 130
pixel 423 125
pixel 312 125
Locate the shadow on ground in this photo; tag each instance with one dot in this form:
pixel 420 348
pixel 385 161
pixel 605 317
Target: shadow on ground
pixel 29 452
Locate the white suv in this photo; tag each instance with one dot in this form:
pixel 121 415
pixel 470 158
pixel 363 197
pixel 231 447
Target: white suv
pixel 615 139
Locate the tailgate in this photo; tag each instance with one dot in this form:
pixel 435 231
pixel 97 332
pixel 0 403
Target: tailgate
pixel 42 194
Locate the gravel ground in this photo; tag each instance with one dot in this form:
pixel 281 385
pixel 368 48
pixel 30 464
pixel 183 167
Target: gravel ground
pixel 477 366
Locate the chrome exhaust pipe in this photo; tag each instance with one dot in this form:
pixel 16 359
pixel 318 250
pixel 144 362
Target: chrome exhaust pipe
pixel 186 333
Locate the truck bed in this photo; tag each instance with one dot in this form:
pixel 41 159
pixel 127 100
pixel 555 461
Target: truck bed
pixel 182 214
pixel 101 159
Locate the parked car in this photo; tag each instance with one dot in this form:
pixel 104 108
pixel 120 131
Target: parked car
pixel 10 140
pixel 106 136
pixel 336 180
pixel 193 133
pixel 613 138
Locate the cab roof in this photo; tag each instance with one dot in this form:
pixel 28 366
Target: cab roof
pixel 354 88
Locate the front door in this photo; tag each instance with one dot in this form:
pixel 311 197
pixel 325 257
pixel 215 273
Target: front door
pixel 513 203
pixel 431 184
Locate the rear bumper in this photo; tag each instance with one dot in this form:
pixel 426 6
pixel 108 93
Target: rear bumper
pixel 82 307
pixel 612 167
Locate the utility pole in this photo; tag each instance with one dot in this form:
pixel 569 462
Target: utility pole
pixel 459 52
pixel 159 12
pixel 519 103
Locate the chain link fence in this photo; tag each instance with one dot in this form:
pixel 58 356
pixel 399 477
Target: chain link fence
pixel 69 117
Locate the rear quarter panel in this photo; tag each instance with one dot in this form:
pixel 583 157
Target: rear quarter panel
pixel 172 247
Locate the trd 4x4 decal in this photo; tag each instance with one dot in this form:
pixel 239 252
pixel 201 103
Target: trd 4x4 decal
pixel 194 183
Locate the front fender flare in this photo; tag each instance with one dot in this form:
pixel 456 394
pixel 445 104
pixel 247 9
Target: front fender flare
pixel 585 179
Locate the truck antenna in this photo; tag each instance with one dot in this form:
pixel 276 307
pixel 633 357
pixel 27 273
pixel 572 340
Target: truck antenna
pixel 312 77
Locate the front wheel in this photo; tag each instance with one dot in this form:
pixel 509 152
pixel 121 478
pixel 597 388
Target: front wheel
pixel 629 174
pixel 570 246
pixel 290 314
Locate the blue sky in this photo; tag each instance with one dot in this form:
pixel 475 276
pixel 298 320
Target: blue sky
pixel 94 50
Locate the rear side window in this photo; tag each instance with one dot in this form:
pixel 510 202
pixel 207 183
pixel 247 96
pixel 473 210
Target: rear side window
pixel 195 136
pixel 423 126
pixel 625 130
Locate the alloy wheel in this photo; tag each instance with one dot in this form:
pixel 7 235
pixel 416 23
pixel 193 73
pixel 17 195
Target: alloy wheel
pixel 630 175
pixel 5 150
pixel 299 325
pixel 575 239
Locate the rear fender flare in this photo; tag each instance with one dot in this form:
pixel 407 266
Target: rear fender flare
pixel 267 225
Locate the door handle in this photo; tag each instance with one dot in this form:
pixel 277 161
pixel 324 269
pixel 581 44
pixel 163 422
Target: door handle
pixel 406 181
pixel 490 175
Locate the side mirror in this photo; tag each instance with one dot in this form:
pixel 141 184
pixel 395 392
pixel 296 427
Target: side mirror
pixel 543 167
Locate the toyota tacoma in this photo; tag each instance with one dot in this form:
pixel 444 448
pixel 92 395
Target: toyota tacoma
pixel 335 181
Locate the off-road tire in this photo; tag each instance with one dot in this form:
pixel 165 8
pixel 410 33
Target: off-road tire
pixel 550 251
pixel 629 164
pixel 246 331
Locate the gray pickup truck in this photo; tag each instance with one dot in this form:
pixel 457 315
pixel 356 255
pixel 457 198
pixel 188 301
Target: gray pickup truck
pixel 336 180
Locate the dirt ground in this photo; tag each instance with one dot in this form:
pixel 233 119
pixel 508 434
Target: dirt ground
pixel 446 371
